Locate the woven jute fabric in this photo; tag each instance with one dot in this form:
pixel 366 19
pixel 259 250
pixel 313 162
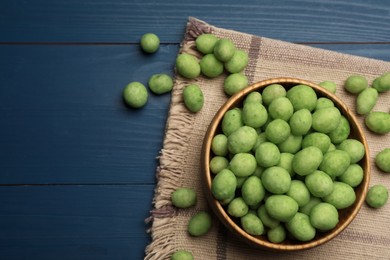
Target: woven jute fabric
pixel 367 237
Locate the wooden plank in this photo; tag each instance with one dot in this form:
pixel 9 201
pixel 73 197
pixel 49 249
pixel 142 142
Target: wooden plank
pixel 63 119
pixel 121 21
pixel 74 222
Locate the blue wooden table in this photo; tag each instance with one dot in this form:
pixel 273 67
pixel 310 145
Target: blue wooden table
pixel 77 167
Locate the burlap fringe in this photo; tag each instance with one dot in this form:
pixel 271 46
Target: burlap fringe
pixel 172 156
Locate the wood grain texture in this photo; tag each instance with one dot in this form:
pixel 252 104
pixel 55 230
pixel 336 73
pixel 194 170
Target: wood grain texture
pixel 126 21
pixel 74 222
pixel 63 118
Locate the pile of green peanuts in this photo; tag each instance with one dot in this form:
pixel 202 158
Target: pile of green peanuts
pixel 135 94
pixel 284 164
pixel 217 56
pixel 376 121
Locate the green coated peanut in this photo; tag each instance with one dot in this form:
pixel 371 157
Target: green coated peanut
pixel 341 132
pixel 382 83
pixel 300 122
pixel 299 192
pixel 183 197
pixel 319 140
pixel 266 219
pixel 366 101
pixel 252 224
pixel 355 84
pixel 382 160
pixel 342 195
pixel 187 66
pixel 200 224
pixel 211 66
pixel 281 108
pixel 292 144
pixel 354 148
pixel 281 207
pixel 329 85
pixel 276 180
pixel 150 42
pixel 324 216
pixel 377 196
pixel 378 122
pixel 324 102
pixel 253 97
pixel 135 94
pixel 160 83
pixel 302 96
pixel 267 154
pixel 237 207
pixel 238 62
pixel 272 92
pixel 252 191
pixel 224 50
pixel 232 120
pixel 310 205
pixel 319 184
pixel 224 185
pixel 193 97
pixel 277 131
pixel 218 163
pixel 326 120
pixel 307 160
pixel 353 175
pixel 254 114
pixel 219 145
pixel 242 140
pixel 300 227
pixel 243 164
pixel 286 162
pixel 335 162
pixel 234 83
pixel 277 234
pixel 205 43
pixel 182 255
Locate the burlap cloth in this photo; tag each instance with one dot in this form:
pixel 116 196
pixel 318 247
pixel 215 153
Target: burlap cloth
pixel 367 237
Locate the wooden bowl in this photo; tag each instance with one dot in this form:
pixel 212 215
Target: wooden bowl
pixel 345 215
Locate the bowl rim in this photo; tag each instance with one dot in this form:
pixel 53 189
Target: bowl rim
pixel 207 176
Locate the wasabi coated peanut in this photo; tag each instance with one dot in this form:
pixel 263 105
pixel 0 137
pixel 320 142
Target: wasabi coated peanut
pixel 267 154
pixel 324 102
pixel 281 207
pixel 332 147
pixel 300 227
pixel 335 162
pixel 252 191
pixel 219 145
pixel 224 185
pixel 382 160
pixel 310 205
pixel 277 234
pixel 182 255
pixel 292 144
pixel 199 224
pixel 272 92
pixel 261 138
pixel 237 208
pixel 253 97
pixel 211 66
pixel 286 162
pixel 326 120
pixel 254 114
pixel 238 62
pixel 187 66
pixel 281 108
pixel 135 95
pixel 150 42
pixel 218 163
pixel 319 184
pixel 299 192
pixel 319 140
pixel 341 132
pixel 232 120
pixel 377 196
pixel 355 84
pixel 205 43
pixel 243 164
pixel 366 101
pixel 307 160
pixel 329 85
pixel 266 219
pixel 277 131
pixel 302 96
pixel 183 198
pixel 378 122
pixel 352 176
pixel 242 140
pixel 234 83
pixel 252 224
pixel 276 180
pixel 354 148
pixel 160 83
pixel 193 97
pixel 224 50
pixel 300 122
pixel 342 195
pixel 382 83
pixel 324 216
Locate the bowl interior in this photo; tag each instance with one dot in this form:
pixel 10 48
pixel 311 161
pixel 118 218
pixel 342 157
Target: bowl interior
pixel 345 215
